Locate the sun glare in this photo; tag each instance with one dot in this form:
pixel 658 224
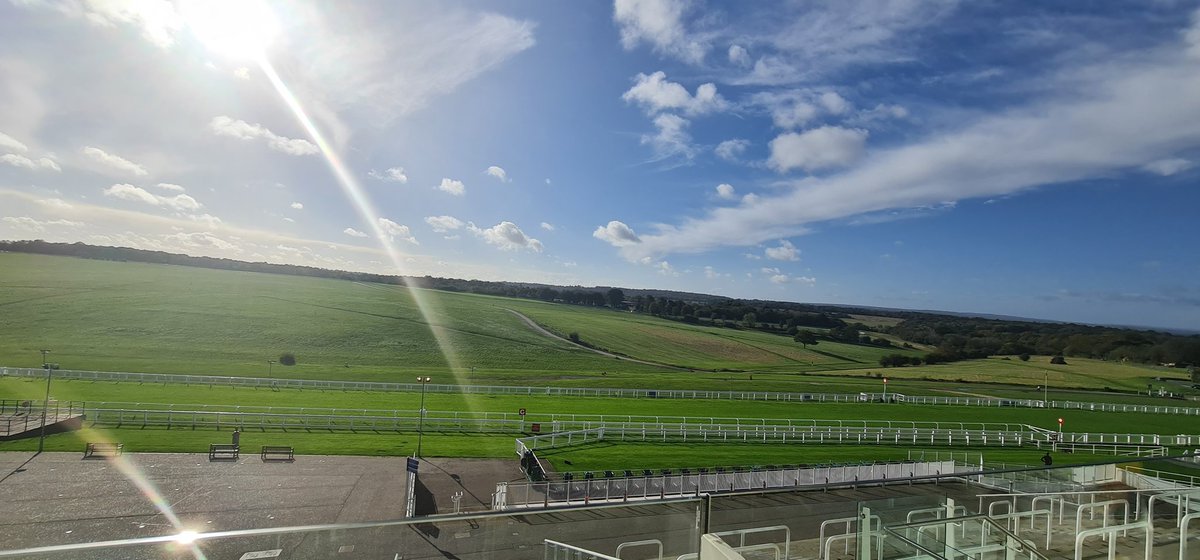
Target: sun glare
pixel 234 28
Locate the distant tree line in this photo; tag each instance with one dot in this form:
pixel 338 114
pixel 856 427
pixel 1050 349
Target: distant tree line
pixel 958 338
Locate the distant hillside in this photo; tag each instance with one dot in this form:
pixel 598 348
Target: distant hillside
pixel 956 335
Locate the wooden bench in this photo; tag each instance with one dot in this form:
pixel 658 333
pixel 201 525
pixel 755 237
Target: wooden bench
pixel 103 449
pixel 223 451
pixel 278 453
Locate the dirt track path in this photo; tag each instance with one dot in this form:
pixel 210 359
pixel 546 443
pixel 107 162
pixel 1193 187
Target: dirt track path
pixel 533 325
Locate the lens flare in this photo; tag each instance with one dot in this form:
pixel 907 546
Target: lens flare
pixel 366 211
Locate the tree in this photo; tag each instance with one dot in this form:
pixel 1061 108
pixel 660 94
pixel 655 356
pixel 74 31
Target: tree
pixel 750 320
pixel 615 298
pixel 1024 357
pixel 287 359
pixel 805 338
pixel 1058 360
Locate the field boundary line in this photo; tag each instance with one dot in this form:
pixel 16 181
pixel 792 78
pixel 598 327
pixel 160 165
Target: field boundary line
pixel 864 398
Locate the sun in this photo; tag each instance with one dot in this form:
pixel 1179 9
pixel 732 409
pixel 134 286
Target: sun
pixel 241 29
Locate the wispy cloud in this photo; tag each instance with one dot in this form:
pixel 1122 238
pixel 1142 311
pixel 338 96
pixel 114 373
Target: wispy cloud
pixel 497 172
pixel 129 192
pixel 114 162
pixel 242 130
pixel 18 160
pixel 391 175
pixel 1059 138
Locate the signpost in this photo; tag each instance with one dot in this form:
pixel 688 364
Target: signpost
pixel 410 503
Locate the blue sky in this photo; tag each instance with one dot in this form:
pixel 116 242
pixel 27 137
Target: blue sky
pixel 1026 159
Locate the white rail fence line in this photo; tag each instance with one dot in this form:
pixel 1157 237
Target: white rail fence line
pixel 591 391
pixel 600 490
pixel 696 432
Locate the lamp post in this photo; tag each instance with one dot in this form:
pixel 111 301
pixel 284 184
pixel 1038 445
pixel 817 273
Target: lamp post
pixel 270 366
pixel 421 413
pixel 1046 391
pixel 45 401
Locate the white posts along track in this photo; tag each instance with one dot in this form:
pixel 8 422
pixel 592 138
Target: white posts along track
pixel 676 429
pixel 317 384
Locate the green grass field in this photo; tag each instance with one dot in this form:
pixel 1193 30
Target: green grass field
pixel 162 396
pixel 98 315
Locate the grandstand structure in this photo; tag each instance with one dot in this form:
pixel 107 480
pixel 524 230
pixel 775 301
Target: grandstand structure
pixel 940 503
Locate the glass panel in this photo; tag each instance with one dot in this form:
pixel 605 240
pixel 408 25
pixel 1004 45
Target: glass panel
pixel 599 529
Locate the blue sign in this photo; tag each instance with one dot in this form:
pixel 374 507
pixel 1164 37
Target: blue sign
pixel 412 465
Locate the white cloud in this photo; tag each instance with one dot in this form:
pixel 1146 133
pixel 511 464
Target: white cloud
pixel 1116 115
pixel 289 220
pixel 749 198
pixel 812 40
pixel 738 55
pixel 353 232
pixel 180 202
pixel 114 161
pixel 507 236
pixel 367 63
pixel 391 175
pixel 1191 36
pixel 617 234
pixel 784 252
pixel 659 23
pixel 242 72
pixel 655 93
pixel 547 226
pixel 881 112
pixel 170 187
pixel 297 206
pixel 547 180
pixel 158 20
pixel 242 130
pixel 9 143
pixel 725 191
pixel 451 186
pixel 834 103
pixel 396 231
pixel 209 219
pixel 731 150
pixel 777 276
pixel 672 138
pixel 1168 167
pixel 26 223
pixel 819 148
pixel 443 224
pixel 665 268
pixel 497 172
pixel 18 160
pixel 797 107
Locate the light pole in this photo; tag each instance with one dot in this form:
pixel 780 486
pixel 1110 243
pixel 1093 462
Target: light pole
pixel 421 413
pixel 1046 391
pixel 270 366
pixel 45 401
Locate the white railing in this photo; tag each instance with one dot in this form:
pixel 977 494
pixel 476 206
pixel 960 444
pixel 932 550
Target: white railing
pixel 624 489
pixel 593 391
pixel 555 550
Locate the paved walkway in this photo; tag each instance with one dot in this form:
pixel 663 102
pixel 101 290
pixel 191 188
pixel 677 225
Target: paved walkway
pixel 58 498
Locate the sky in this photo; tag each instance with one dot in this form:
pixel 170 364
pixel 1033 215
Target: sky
pixel 1032 159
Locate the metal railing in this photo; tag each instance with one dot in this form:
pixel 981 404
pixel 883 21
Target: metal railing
pixel 657 487
pixel 867 397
